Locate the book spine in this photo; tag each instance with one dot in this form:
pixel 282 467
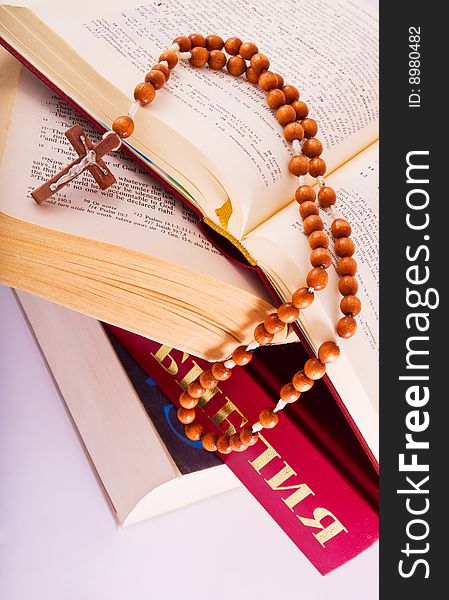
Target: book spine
pixel 323 512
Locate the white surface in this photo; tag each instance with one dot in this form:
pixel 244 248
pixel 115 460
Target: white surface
pixel 58 540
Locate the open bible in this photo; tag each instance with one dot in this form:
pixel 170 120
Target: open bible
pixel 212 139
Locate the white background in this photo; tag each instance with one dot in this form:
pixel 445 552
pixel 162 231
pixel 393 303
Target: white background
pixel 58 539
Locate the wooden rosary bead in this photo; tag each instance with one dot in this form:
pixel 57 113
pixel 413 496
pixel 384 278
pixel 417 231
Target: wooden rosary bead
pixel 123 126
pixel 302 298
pixel 273 324
pixel 350 305
pixel 199 56
pixel 341 228
pixel 248 49
pixel 262 336
pixel 252 75
pixel 209 441
pixel 248 437
pixel 328 352
pixel 317 166
pixel 326 195
pixel 275 98
pixel 268 418
pixel 236 66
pixel 214 42
pixel 291 93
pixel 308 208
pixel 259 62
pixel 220 372
pixel 317 278
pixel 217 59
pixel 183 42
pixel 207 380
pixel 318 239
pixel 292 114
pixel 313 223
pixel 144 93
pixel 289 393
pixel 314 369
pixel 194 431
pixel 347 266
pixel 156 78
pixel 344 246
pixel 312 147
pixel 195 389
pixel 301 382
pixel 267 81
pixel 310 127
pixel 321 257
pixel 169 57
pixel 287 312
pixel 187 401
pixel 280 80
pixel 285 114
pixel 223 444
pixel 348 285
pixel 236 443
pixel 241 356
pixel 346 327
pixel 232 45
pixel 293 131
pixel 186 415
pixel 305 193
pixel 197 40
pixel 298 165
pixel 301 109
pixel 163 68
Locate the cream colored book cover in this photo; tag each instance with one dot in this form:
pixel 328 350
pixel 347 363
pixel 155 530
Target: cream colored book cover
pixel 118 436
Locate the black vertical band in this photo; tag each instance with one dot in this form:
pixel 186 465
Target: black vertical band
pixel 414 324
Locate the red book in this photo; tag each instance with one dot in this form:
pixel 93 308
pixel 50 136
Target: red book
pixel 310 472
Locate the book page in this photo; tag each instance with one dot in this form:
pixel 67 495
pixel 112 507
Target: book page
pixel 136 212
pixel 282 250
pixel 329 51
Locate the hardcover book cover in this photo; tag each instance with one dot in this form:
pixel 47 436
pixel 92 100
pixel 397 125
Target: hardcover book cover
pixel 310 473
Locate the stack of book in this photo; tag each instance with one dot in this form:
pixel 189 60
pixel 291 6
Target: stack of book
pixel 310 473
pixel 142 256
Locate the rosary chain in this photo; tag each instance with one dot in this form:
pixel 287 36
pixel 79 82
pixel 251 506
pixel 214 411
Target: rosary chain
pixel 300 131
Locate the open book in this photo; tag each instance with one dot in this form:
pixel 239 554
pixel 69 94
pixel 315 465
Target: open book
pixel 212 138
pixel 131 255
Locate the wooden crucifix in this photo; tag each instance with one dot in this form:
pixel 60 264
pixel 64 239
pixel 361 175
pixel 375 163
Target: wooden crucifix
pixel 89 157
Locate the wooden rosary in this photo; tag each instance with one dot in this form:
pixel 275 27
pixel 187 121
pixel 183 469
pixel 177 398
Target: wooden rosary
pixel 299 130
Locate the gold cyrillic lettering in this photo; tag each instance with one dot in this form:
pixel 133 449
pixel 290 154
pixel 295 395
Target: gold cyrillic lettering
pixel 265 457
pixel 277 480
pixel 302 490
pixel 191 375
pixel 326 533
pixel 222 415
pixel 162 354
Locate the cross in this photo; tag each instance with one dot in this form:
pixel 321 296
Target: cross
pixel 89 157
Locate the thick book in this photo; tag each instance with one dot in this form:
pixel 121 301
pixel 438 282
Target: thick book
pixel 146 465
pixel 126 424
pixel 310 472
pixel 212 140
